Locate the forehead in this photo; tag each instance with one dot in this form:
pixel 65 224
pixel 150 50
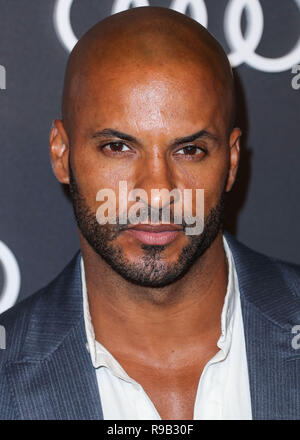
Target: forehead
pixel 148 96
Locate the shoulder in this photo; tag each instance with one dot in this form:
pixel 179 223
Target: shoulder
pixel 19 323
pixel 15 323
pixel 241 249
pixel 257 271
pixel 291 274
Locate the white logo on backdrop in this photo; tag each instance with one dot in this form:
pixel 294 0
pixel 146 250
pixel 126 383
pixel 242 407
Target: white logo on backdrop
pixel 242 47
pixel 12 278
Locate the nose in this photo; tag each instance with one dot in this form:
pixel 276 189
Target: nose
pixel 154 175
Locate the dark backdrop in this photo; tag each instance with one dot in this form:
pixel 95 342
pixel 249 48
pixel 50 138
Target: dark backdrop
pixel 36 223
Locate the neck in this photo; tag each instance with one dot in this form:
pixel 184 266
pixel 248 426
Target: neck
pixel 127 324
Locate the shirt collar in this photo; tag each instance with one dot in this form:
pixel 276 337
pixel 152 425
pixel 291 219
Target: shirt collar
pixel 229 307
pixel 101 357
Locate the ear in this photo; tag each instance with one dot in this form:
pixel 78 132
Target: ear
pixel 59 151
pixel 234 144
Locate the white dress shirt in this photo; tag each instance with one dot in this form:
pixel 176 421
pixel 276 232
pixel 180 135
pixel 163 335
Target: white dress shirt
pixel 223 391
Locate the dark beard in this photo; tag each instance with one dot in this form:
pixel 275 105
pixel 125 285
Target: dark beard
pixel 152 271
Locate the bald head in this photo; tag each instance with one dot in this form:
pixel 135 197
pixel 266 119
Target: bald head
pixel 147 102
pixel 141 37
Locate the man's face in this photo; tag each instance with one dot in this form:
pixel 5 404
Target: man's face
pixel 153 109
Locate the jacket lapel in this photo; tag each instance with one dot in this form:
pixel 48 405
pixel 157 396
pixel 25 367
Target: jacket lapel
pixel 270 309
pixel 55 378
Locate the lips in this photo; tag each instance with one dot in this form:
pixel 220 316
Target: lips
pixel 155 235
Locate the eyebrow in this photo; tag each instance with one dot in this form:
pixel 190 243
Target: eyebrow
pixel 115 133
pixel 198 135
pixel 106 132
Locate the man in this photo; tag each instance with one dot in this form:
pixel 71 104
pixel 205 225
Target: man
pixel 147 321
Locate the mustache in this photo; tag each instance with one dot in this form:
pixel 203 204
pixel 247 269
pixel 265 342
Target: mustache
pixel 117 228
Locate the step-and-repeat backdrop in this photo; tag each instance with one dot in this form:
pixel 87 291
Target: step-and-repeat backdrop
pixel 37 230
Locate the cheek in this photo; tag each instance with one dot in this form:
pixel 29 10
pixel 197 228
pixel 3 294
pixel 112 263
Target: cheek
pixel 94 171
pixel 216 183
pixel 210 176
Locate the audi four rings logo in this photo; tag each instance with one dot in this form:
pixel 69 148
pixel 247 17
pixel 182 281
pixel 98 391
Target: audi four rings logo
pixel 242 47
pixel 12 278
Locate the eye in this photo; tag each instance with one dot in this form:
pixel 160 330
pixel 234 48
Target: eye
pixel 116 147
pixel 191 150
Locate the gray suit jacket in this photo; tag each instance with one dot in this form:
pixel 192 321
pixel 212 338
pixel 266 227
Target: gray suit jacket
pixel 46 371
